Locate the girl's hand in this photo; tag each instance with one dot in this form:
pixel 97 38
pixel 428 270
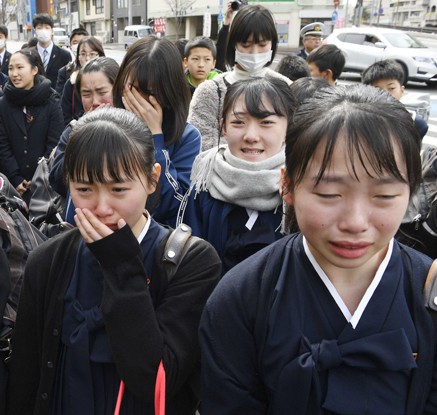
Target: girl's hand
pixel 23 187
pixel 91 228
pixel 148 110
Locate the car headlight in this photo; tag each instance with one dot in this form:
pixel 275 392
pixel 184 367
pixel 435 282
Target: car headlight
pixel 424 59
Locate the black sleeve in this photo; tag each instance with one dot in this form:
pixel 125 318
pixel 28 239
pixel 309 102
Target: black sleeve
pixel 62 78
pixel 140 336
pixel 221 48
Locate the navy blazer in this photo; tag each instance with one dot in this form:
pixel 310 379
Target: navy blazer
pixel 59 58
pixel 23 142
pixel 5 63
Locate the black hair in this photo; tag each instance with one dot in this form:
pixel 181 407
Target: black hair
pixel 328 57
pixel 304 88
pixel 200 42
pixel 79 31
pixel 104 64
pixel 42 18
pixel 253 20
pixel 94 44
pixel 109 144
pixel 4 30
pixel 293 67
pixel 32 56
pixel 155 64
pixel 254 90
pixel 180 44
pixel 371 121
pixel 382 71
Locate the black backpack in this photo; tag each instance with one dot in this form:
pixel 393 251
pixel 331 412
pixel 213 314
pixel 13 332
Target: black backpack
pixel 419 226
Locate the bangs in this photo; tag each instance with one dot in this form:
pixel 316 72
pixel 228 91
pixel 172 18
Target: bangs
pixel 100 156
pixel 372 143
pixel 253 100
pixel 260 27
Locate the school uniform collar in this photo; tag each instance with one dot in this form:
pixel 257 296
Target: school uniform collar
pixel 355 318
pixel 143 233
pixel 41 49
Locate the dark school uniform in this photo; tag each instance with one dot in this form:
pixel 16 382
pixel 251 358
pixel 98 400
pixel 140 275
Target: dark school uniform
pixel 275 341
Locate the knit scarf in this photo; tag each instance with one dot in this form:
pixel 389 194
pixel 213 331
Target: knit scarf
pixel 252 185
pixel 39 94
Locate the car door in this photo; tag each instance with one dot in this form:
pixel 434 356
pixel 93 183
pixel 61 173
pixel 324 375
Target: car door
pixel 361 50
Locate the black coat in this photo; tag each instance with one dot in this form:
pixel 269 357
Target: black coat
pixel 5 63
pixel 23 140
pixel 143 336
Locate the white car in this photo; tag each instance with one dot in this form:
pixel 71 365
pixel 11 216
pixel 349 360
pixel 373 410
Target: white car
pixel 363 46
pixel 60 37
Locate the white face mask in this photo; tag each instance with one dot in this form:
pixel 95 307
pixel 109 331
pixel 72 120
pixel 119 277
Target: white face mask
pixel 252 62
pixel 2 43
pixel 44 35
pixel 74 48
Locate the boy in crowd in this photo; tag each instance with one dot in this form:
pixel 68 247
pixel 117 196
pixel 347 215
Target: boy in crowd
pixel 64 73
pixel 293 67
pixel 326 62
pixel 52 56
pixel 200 54
pixel 4 54
pixel 388 75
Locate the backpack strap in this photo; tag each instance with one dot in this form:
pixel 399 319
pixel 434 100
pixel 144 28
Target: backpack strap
pixel 430 292
pixel 175 249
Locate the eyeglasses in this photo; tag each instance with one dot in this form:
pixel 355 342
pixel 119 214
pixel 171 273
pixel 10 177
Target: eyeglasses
pixel 91 55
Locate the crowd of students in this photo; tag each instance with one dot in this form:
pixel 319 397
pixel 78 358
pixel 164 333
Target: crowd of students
pixel 294 188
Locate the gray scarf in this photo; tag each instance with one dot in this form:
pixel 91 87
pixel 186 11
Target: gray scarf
pixel 242 183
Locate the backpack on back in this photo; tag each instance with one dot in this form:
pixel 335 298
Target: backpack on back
pixel 418 228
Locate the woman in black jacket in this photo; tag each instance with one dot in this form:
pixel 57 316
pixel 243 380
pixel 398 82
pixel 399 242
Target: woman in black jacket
pixel 30 119
pixel 98 305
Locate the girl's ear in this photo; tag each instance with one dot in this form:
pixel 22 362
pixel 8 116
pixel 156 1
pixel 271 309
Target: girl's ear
pixel 156 173
pixel 285 188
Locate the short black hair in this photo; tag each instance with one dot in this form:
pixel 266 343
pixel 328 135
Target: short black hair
pixel 371 121
pixel 253 20
pixel 383 70
pixel 180 44
pixel 4 30
pixel 328 57
pixel 79 31
pixel 293 67
pixel 200 42
pixel 42 18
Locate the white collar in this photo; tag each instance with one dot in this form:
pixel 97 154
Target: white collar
pixel 146 227
pixel 238 74
pixel 41 49
pixel 355 318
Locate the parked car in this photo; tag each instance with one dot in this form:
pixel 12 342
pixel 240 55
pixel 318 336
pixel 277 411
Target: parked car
pixel 60 37
pixel 135 32
pixel 363 46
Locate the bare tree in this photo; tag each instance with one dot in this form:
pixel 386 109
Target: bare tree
pixel 179 11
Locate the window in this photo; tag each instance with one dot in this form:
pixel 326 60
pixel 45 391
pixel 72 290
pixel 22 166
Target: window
pixel 99 6
pixel 356 38
pixel 88 7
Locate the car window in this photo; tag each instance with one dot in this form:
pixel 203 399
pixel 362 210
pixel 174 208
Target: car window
pixel 403 40
pixel 144 32
pixel 357 38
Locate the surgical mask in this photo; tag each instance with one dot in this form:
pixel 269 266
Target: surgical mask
pixel 252 62
pixel 74 48
pixel 2 43
pixel 44 35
